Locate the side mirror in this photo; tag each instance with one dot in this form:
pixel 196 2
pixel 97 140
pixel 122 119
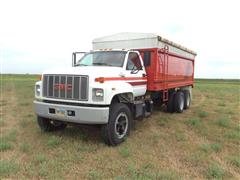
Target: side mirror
pixel 76 56
pixel 73 59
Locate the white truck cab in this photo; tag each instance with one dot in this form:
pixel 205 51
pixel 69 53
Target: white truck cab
pixel 102 87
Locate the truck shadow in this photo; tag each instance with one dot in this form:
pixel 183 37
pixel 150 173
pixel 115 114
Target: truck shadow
pixel 91 133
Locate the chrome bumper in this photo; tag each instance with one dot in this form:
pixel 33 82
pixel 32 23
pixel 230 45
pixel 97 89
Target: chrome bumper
pixel 75 114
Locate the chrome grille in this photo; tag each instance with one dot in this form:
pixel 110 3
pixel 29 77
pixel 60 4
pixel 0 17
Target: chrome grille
pixel 70 87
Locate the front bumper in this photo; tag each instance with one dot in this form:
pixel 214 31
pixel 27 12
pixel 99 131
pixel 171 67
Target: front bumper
pixel 82 114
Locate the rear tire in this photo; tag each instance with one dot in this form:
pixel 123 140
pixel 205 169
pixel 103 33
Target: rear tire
pixel 119 124
pixel 187 99
pixel 47 125
pixel 170 103
pixel 179 102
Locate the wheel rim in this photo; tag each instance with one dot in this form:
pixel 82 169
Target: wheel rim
pixel 121 125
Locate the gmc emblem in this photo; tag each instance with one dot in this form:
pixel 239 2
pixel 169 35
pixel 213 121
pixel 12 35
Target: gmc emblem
pixel 68 87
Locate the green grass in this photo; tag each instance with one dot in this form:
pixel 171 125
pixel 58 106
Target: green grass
pixel 156 137
pixel 24 123
pixel 29 116
pixel 25 147
pixel 10 136
pixel 162 121
pixel 234 160
pixel 2 123
pixel 196 158
pixel 5 145
pixel 194 122
pixel 167 175
pixel 24 104
pixel 88 149
pixel 7 140
pixel 53 141
pixel 7 168
pixel 232 135
pixel 223 122
pixel 180 136
pixel 40 158
pixel 238 127
pixel 146 172
pixel 203 114
pixel 216 147
pixel 124 152
pixel 221 104
pixel 215 171
pixel 43 170
pixel 93 174
pixel 200 143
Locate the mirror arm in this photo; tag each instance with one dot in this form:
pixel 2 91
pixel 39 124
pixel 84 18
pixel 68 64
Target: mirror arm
pixel 73 59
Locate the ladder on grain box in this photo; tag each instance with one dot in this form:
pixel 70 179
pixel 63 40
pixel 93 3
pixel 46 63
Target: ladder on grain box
pixel 165 51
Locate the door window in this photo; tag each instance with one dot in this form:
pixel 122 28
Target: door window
pixel 133 62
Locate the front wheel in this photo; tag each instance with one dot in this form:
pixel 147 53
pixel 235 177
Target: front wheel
pixel 118 126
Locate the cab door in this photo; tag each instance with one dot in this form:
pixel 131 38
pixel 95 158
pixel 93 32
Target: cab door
pixel 135 73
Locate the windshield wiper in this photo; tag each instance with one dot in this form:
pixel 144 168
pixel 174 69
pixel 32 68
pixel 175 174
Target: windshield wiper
pixel 102 64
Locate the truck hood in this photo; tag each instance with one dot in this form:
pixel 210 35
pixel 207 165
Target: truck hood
pixel 92 71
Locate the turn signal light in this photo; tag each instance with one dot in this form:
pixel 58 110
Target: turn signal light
pixel 100 79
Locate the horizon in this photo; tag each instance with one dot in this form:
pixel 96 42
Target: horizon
pixel 196 78
pixel 35 41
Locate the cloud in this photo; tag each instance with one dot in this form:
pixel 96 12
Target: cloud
pixel 38 35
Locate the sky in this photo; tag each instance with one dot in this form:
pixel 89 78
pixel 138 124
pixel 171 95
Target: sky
pixel 39 35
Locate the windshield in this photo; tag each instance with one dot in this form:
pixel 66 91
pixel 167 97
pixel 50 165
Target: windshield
pixel 103 58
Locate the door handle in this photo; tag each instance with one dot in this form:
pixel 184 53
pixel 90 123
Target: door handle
pixel 122 75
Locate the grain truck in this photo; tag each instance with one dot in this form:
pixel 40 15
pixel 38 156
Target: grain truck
pixel 116 83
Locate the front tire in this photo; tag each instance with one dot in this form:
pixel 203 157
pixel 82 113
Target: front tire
pixel 119 124
pixel 47 125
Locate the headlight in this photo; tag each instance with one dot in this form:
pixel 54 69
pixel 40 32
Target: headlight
pixel 38 90
pixel 97 94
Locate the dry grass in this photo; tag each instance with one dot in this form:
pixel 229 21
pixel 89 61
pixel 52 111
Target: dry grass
pixel 202 142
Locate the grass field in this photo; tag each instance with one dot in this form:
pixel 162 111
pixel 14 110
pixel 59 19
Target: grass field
pixel 203 142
